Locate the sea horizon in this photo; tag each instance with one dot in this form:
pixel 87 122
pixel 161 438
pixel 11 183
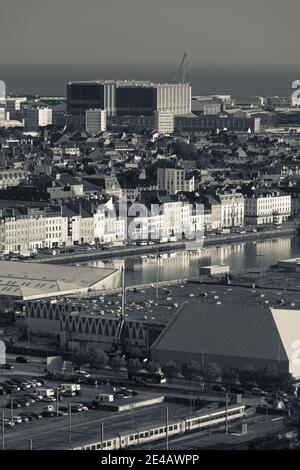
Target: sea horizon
pixel 237 81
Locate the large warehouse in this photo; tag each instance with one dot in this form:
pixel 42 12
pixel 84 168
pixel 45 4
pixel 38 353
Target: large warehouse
pixel 29 281
pixel 231 335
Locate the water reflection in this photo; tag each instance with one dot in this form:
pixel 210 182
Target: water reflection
pixel 239 256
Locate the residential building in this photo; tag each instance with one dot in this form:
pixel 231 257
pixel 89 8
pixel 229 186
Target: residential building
pixel 38 117
pixel 159 217
pixel 9 178
pixel 163 122
pixel 267 205
pixel 232 209
pixel 95 121
pixel 174 179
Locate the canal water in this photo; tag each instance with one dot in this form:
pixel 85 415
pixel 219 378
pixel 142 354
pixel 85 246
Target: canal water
pixel 182 264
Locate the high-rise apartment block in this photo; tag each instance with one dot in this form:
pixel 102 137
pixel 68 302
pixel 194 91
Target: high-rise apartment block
pixel 95 121
pixel 174 180
pixel 39 117
pixel 163 122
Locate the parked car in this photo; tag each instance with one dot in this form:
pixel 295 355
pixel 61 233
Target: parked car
pixel 48 414
pixel 36 397
pixel 82 373
pixel 17 419
pixel 12 385
pixel 257 391
pixel 49 408
pixel 126 391
pixel 9 423
pixel 36 415
pixel 238 390
pixel 41 381
pixel 25 385
pixel 48 399
pixel 82 407
pixel 14 404
pixel 76 407
pixel 24 402
pixel 218 388
pixel 36 383
pixel 63 409
pixel 6 366
pixel 22 359
pixel 90 405
pixel 25 417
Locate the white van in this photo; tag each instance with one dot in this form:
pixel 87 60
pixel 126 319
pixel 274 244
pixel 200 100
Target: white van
pixel 104 397
pixel 70 389
pixel 44 392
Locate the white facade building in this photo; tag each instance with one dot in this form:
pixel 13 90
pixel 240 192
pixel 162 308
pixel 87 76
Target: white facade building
pixel 264 206
pixel 163 122
pixel 232 210
pixel 174 97
pixel 37 229
pixel 95 121
pixel 39 117
pixel 9 178
pixel 162 221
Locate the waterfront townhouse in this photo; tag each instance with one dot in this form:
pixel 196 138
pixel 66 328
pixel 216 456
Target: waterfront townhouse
pixel 267 205
pixel 158 217
pixel 231 208
pixel 25 228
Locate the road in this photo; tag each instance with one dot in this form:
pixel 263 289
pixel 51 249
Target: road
pixel 81 254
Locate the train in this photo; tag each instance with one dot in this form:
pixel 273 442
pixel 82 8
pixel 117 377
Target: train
pixel 126 439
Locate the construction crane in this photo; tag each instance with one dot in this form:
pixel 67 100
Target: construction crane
pixel 184 68
pixel 117 344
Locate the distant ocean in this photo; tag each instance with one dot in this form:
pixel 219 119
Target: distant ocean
pixel 246 81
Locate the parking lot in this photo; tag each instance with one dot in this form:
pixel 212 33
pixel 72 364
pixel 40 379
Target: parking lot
pixel 42 426
pixel 49 432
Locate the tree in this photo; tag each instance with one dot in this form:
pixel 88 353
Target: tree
pixel 171 370
pixel 98 359
pixel 230 376
pixel 116 363
pixel 80 357
pixel 152 366
pixel 134 365
pixel 191 369
pixel 211 372
pixel 247 375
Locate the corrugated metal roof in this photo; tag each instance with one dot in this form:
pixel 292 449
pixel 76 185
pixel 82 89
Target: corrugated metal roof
pixel 23 279
pixel 223 329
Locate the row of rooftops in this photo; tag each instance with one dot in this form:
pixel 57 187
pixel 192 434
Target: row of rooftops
pixel 127 83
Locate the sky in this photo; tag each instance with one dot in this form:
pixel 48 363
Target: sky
pixel 150 33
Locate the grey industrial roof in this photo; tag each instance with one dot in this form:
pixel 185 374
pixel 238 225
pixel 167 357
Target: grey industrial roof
pixel 20 279
pixel 224 329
